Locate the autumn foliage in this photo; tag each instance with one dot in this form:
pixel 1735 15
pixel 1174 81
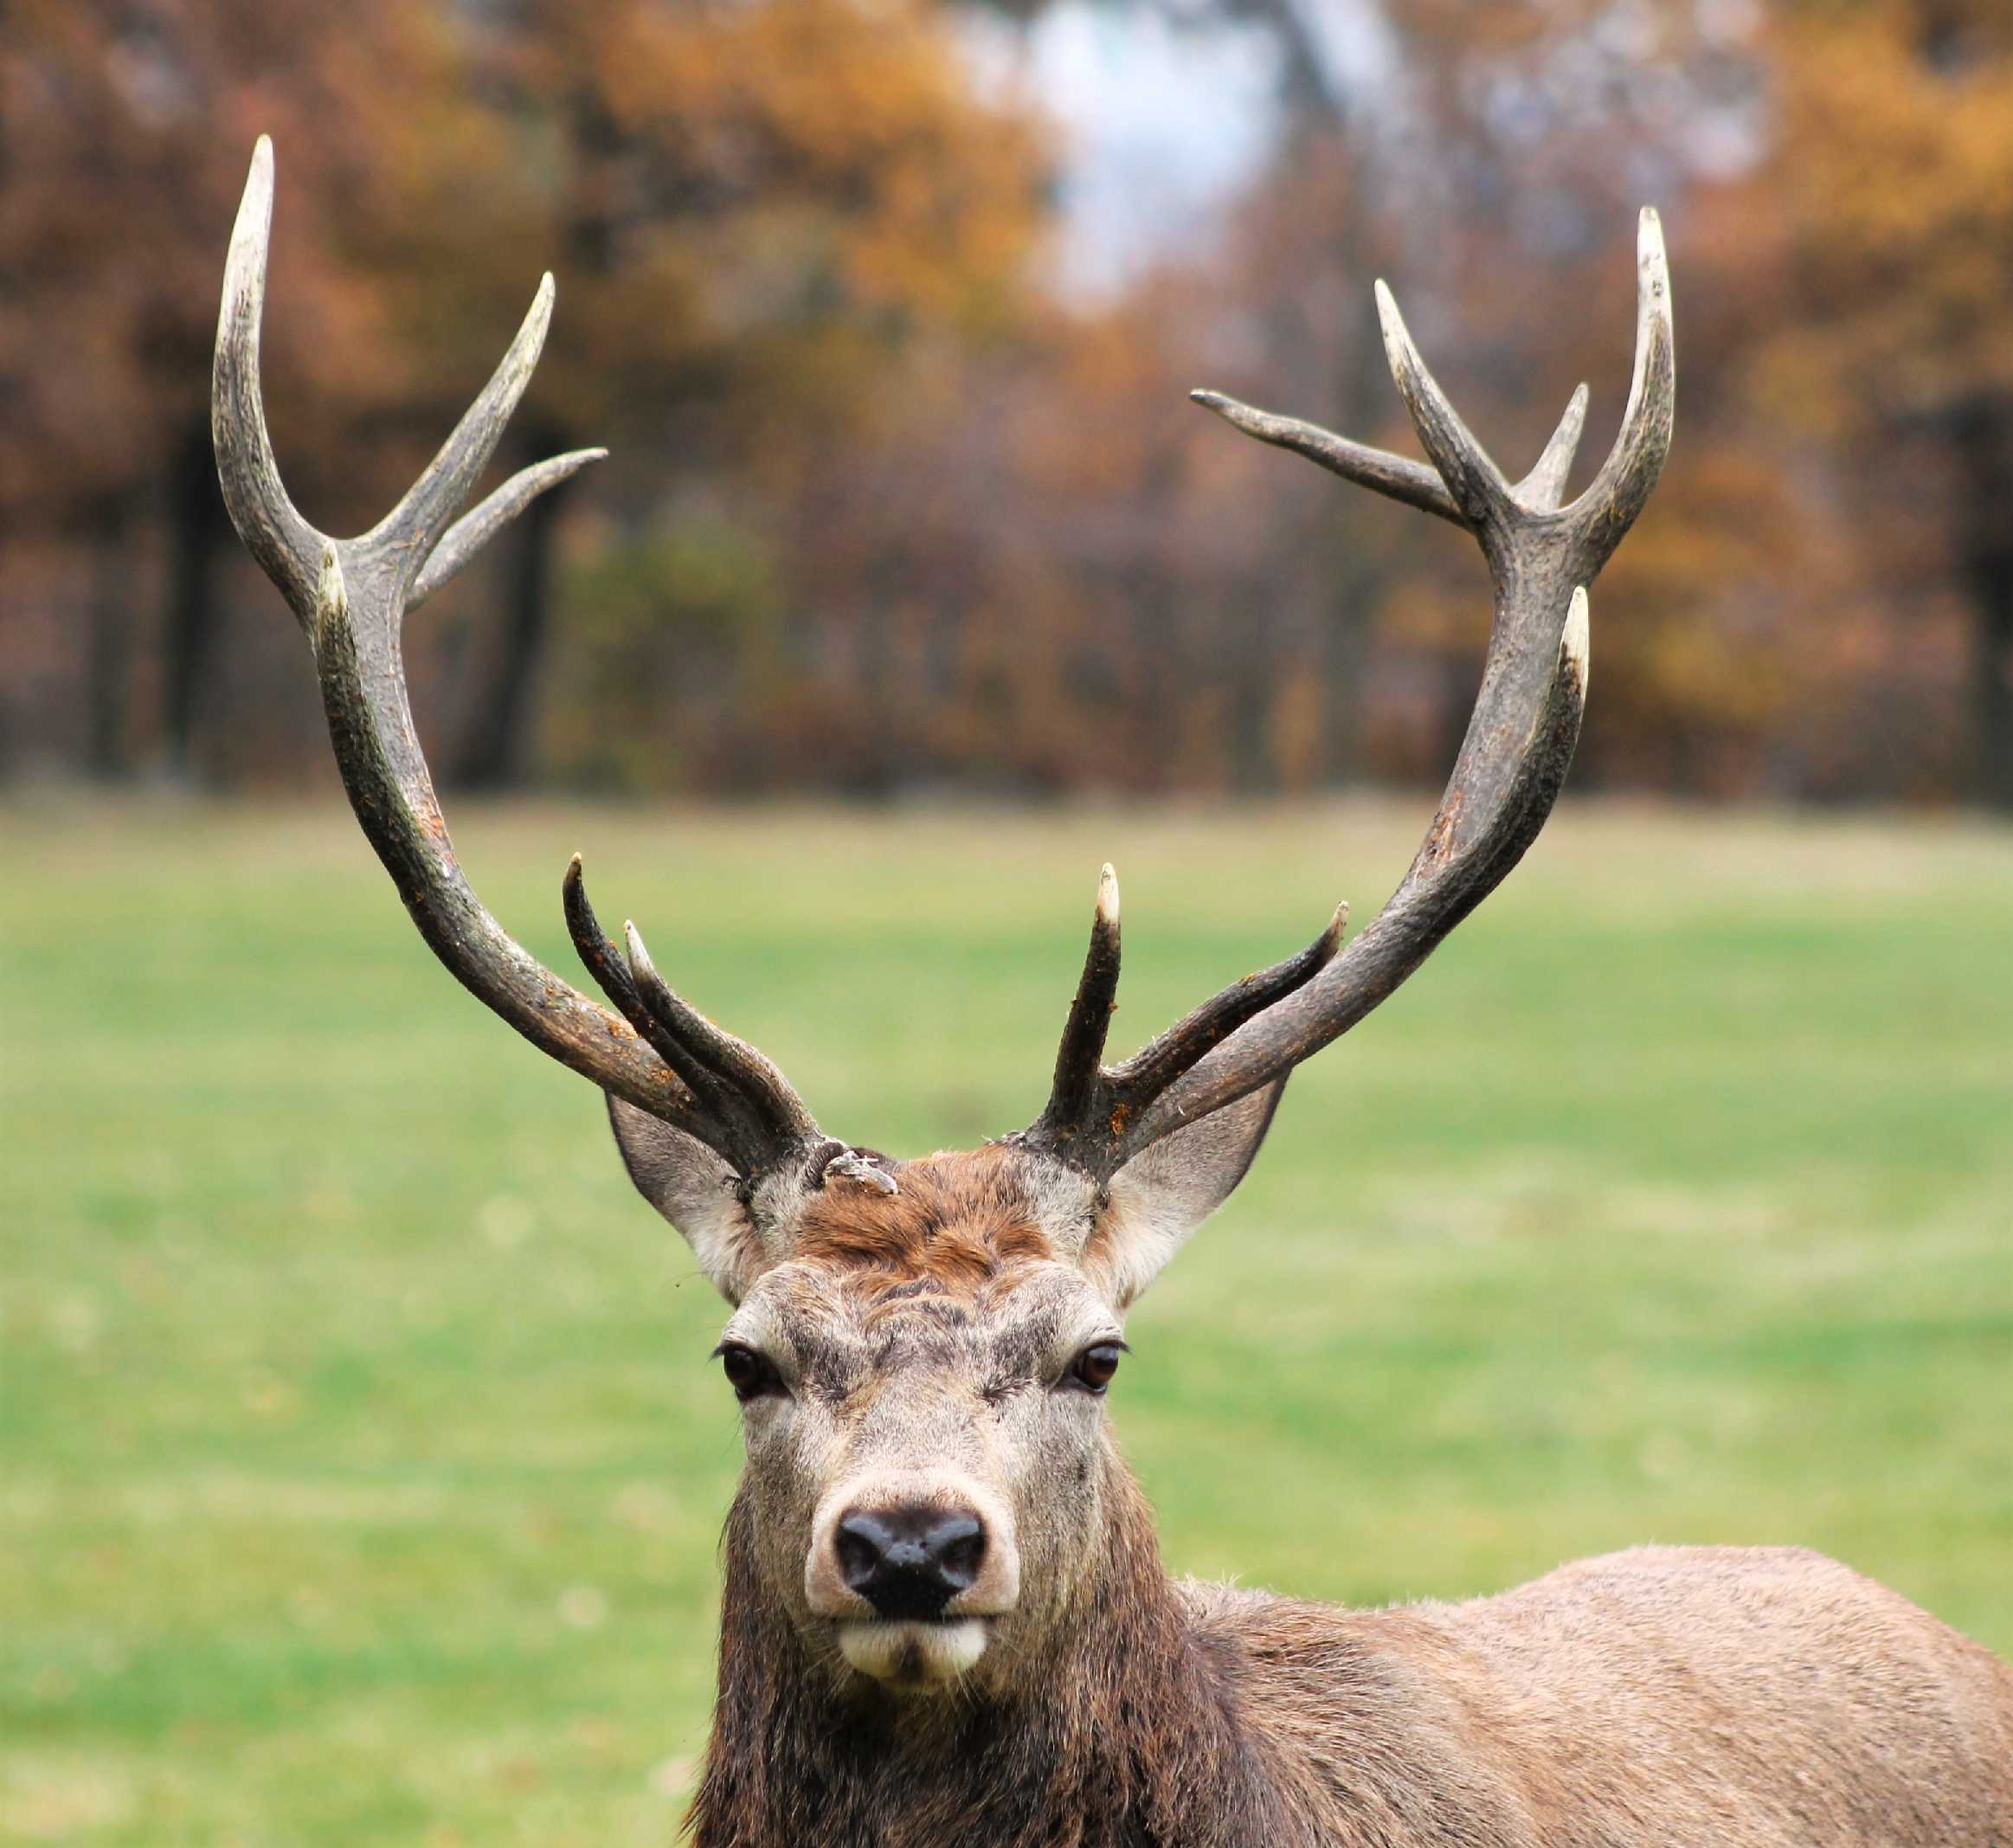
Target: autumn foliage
pixel 891 506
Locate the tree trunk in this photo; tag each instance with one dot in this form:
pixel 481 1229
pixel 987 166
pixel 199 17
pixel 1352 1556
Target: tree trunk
pixel 196 524
pixel 108 659
pixel 1993 685
pixel 495 745
pixel 1984 447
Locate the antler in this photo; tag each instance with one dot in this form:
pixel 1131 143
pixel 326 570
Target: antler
pixel 351 596
pixel 1541 558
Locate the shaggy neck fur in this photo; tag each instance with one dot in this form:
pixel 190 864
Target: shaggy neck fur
pixel 1129 1735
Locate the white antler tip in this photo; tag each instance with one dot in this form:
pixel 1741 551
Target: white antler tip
pixel 1108 895
pixel 254 221
pixel 1388 318
pixel 1651 263
pixel 1574 643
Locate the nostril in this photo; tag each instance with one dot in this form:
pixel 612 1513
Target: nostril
pixel 910 1562
pixel 862 1543
pixel 958 1545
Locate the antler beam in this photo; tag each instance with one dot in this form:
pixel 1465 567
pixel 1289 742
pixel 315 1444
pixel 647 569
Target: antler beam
pixel 1541 558
pixel 351 596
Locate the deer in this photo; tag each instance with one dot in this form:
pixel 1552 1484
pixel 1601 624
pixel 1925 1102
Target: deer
pixel 944 1615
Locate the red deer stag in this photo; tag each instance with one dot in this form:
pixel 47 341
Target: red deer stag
pixel 945 1616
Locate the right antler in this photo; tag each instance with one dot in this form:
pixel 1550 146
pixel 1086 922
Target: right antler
pixel 351 596
pixel 1541 558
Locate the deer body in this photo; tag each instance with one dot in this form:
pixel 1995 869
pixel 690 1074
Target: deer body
pixel 1729 1698
pixel 945 1616
pixel 1716 1696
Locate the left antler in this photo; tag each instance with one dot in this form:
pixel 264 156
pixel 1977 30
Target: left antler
pixel 1541 558
pixel 351 596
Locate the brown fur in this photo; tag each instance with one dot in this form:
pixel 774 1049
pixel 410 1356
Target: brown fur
pixel 958 1220
pixel 1661 1698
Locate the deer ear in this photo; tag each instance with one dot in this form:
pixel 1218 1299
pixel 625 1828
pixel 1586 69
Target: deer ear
pixel 695 1190
pixel 1167 1190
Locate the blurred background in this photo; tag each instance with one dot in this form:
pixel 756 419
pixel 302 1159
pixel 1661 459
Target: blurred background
pixel 360 1465
pixel 888 312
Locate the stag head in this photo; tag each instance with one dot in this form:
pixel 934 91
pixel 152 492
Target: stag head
pixel 922 1349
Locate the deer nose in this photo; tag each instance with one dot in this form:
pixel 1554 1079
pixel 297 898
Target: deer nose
pixel 910 1562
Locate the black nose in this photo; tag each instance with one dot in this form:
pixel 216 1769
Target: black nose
pixel 910 1562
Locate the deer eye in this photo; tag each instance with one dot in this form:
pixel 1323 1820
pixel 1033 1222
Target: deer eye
pixel 1091 1370
pixel 750 1373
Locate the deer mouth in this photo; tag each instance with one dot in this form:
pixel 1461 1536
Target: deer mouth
pixel 913 1654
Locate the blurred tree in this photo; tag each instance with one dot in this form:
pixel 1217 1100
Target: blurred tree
pixel 761 211
pixel 124 130
pixel 885 512
pixel 1892 322
pixel 755 209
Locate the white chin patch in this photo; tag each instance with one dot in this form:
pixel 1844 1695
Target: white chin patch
pixel 912 1655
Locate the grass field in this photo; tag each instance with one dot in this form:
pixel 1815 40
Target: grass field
pixel 361 1467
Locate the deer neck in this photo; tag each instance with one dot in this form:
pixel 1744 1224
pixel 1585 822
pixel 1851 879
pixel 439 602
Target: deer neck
pixel 1128 1732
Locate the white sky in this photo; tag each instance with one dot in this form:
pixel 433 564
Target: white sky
pixel 1161 125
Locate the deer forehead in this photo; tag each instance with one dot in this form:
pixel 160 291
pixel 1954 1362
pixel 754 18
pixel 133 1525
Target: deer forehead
pixel 966 1222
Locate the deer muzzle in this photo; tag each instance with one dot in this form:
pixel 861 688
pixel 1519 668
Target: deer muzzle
pixel 913 1574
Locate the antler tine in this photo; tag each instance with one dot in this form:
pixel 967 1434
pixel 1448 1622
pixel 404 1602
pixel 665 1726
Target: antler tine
pixel 476 528
pixel 1475 482
pixel 1079 1059
pixel 1091 1105
pixel 1143 1077
pixel 1519 738
pixel 288 548
pixel 762 1092
pixel 1626 479
pixel 605 962
pixel 351 596
pixel 1545 486
pixel 1395 476
pixel 416 526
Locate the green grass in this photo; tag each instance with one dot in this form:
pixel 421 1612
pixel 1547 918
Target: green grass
pixel 360 1466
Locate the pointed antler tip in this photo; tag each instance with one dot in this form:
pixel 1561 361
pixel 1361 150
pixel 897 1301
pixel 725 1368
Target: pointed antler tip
pixel 1398 344
pixel 1108 895
pixel 640 966
pixel 1649 252
pixel 1575 641
pixel 1233 410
